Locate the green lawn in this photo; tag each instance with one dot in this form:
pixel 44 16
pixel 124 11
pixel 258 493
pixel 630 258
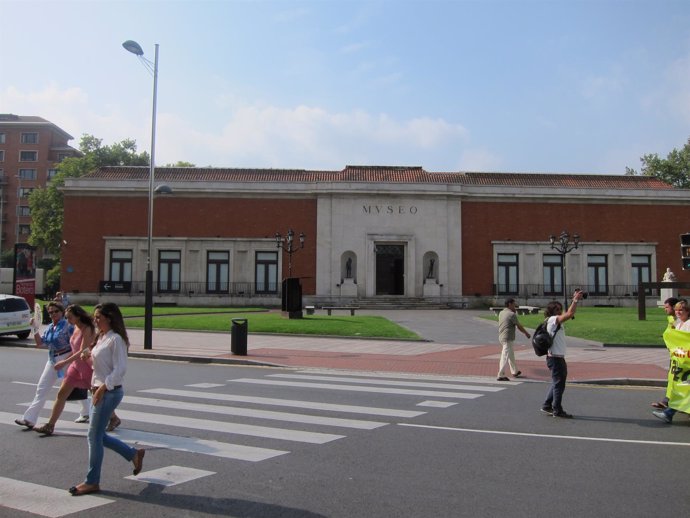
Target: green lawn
pixel 260 320
pixel 610 325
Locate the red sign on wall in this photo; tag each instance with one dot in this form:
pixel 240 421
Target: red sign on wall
pixel 25 272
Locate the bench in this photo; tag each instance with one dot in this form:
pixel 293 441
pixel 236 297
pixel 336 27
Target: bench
pixel 309 309
pixel 528 310
pixel 496 309
pixel 351 309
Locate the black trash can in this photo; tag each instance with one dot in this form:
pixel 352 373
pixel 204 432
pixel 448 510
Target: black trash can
pixel 238 336
pixel 45 317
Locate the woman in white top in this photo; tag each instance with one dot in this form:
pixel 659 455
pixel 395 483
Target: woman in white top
pixel 109 360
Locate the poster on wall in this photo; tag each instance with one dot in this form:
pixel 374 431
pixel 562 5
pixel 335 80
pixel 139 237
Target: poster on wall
pixel 25 272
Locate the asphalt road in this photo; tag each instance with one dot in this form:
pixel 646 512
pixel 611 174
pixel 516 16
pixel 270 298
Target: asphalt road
pixel 260 442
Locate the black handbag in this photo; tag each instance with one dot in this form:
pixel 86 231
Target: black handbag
pixel 78 394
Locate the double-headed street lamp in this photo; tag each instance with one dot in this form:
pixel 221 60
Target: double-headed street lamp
pixel 286 243
pixel 564 246
pixel 135 48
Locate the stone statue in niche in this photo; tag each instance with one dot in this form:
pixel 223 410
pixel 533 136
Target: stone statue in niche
pixel 348 268
pixel 669 276
pixel 430 273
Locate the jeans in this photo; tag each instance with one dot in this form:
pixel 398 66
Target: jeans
pixel 559 373
pixel 100 415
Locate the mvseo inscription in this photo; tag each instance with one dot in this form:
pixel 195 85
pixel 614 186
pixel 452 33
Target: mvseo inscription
pixel 389 209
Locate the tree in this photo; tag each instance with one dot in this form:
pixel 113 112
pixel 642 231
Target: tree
pixel 674 169
pixel 47 203
pixel 181 163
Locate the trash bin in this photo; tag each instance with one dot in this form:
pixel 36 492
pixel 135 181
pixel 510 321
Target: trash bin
pixel 238 336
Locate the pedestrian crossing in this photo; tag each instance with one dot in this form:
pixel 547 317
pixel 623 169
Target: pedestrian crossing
pixel 231 418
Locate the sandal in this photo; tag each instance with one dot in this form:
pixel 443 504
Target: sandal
pixel 46 429
pixel 24 422
pixel 84 489
pixel 660 404
pixel 113 423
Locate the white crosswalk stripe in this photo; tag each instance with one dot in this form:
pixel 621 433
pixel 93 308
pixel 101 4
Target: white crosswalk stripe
pixel 351 388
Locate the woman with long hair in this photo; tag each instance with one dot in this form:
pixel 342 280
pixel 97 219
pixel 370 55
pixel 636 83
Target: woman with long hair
pixel 109 360
pixel 79 371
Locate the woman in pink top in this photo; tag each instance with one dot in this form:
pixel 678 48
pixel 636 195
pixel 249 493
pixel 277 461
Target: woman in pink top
pixel 79 371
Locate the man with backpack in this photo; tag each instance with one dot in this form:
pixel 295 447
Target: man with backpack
pixel 507 322
pixel 555 359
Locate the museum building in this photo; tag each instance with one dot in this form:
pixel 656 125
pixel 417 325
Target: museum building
pixel 371 234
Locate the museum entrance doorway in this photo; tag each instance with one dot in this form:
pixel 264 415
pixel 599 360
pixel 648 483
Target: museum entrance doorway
pixel 390 269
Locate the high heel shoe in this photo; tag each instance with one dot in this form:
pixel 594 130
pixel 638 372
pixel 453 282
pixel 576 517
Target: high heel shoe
pixel 46 429
pixel 138 461
pixel 113 423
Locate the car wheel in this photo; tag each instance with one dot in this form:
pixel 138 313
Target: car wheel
pixel 23 335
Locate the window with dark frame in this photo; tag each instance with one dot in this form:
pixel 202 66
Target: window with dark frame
pixel 169 267
pixel 507 274
pixel 641 266
pixel 29 138
pixel 553 274
pixel 27 174
pixel 217 272
pixel 120 265
pixel 28 156
pixel 266 277
pixel 597 274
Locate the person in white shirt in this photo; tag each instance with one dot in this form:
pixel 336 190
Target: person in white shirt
pixel 555 359
pixel 109 359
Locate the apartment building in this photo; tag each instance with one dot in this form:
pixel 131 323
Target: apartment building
pixel 30 149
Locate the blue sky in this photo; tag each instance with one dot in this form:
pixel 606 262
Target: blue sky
pixel 572 86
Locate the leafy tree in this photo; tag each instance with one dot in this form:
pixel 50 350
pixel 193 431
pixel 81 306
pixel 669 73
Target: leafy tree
pixel 47 203
pixel 181 163
pixel 674 169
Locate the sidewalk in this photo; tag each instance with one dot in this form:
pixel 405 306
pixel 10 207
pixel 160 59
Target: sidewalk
pixel 460 344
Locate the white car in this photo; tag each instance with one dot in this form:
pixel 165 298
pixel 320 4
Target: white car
pixel 15 316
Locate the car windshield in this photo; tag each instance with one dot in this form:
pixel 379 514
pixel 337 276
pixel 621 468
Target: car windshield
pixel 10 305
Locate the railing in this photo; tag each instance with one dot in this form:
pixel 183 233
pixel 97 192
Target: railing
pixel 540 290
pixel 191 289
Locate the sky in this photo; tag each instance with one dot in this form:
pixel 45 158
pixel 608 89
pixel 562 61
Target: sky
pixel 561 86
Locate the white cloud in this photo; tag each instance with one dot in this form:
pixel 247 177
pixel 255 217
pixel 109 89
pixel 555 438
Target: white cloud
pixel 479 159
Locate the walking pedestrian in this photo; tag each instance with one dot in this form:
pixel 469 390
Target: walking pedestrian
pixel 109 361
pixel 57 339
pixel 507 322
pixel 680 402
pixel 79 372
pixel 669 309
pixel 555 359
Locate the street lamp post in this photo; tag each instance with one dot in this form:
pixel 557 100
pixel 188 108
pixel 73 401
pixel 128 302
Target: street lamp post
pixel 564 246
pixel 135 48
pixel 286 243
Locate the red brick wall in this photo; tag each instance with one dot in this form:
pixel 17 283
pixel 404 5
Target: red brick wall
pixel 87 219
pixel 484 222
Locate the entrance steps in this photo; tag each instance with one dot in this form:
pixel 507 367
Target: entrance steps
pixel 399 302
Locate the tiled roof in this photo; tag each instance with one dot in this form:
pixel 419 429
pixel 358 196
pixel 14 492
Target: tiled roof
pixel 380 174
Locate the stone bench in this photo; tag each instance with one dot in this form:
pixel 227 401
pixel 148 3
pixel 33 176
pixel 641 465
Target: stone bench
pixel 309 309
pixel 351 309
pixel 528 310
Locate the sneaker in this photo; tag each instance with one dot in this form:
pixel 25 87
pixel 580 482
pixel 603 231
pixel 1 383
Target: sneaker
pixel 517 374
pixel 661 415
pixel 563 414
pixel 546 410
pixel 502 378
pixel 82 419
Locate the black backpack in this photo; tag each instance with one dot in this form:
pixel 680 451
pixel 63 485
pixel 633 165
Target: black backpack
pixel 542 340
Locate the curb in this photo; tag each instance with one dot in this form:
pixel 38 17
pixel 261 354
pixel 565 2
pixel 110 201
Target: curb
pixel 203 359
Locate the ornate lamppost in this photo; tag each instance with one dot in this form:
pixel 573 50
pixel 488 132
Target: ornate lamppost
pixel 563 245
pixel 291 288
pixel 287 243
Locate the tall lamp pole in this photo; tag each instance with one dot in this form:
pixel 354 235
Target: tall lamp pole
pixel 564 246
pixel 286 243
pixel 135 48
